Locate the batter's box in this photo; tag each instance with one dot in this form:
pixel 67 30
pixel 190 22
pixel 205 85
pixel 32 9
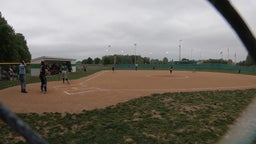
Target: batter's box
pixel 74 91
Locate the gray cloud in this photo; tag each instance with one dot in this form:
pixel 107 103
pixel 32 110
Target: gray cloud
pixel 84 28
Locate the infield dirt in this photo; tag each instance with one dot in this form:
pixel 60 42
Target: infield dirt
pixel 107 88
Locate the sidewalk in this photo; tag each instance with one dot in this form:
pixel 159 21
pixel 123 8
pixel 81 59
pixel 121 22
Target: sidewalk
pixel 244 129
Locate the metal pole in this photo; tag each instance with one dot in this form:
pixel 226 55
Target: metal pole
pixel 235 57
pixel 19 126
pixel 237 23
pixel 135 62
pixel 114 59
pixel 191 54
pixel 228 53
pixel 180 50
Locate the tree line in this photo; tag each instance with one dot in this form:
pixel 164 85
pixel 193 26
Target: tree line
pixel 119 59
pixel 13 46
pixel 130 59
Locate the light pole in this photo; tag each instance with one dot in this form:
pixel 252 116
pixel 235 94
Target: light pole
pixel 167 56
pixel 135 62
pixel 191 53
pixel 228 53
pixel 180 50
pixel 150 55
pixel 221 53
pixel 235 57
pixel 109 46
pixel 108 54
pixel 108 49
pixel 122 56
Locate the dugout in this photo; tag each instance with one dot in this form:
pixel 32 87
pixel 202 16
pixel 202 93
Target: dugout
pixel 5 68
pixel 53 63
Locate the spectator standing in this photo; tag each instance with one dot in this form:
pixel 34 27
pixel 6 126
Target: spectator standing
pixel 85 68
pixel 11 73
pixel 22 76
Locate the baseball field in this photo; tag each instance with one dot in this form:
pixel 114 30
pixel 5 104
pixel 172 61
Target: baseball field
pixel 107 88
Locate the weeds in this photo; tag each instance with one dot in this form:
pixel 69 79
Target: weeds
pixel 189 117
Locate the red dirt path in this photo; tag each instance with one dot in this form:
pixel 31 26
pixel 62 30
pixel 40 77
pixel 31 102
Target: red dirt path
pixel 107 88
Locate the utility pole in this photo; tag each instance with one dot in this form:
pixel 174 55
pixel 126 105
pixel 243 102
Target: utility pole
pixel 135 62
pixel 180 50
pixel 228 53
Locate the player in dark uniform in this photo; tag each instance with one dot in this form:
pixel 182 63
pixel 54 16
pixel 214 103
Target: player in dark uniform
pixel 43 73
pixel 171 69
pixel 113 68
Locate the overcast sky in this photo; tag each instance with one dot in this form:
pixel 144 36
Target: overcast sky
pixel 93 28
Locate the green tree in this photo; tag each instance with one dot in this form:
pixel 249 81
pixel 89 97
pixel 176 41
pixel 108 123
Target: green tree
pixel 97 60
pixel 248 62
pixel 216 61
pixel 146 60
pixel 165 60
pixel 22 48
pixel 6 39
pixel 84 61
pixel 13 46
pixel 155 61
pixel 106 60
pixel 89 60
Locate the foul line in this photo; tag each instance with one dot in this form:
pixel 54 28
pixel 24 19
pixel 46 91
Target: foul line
pixel 82 83
pixel 188 89
pixel 93 89
pixel 93 77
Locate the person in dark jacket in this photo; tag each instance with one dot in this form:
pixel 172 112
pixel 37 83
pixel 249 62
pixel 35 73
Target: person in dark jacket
pixel 171 69
pixel 43 73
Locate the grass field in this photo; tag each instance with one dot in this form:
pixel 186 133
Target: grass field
pixel 184 117
pixel 192 117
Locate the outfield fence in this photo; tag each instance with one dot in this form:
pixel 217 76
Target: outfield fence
pixel 4 75
pixel 208 67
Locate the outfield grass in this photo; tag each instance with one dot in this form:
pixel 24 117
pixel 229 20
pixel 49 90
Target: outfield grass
pixel 187 117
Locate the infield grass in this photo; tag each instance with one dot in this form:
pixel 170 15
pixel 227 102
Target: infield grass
pixel 180 118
